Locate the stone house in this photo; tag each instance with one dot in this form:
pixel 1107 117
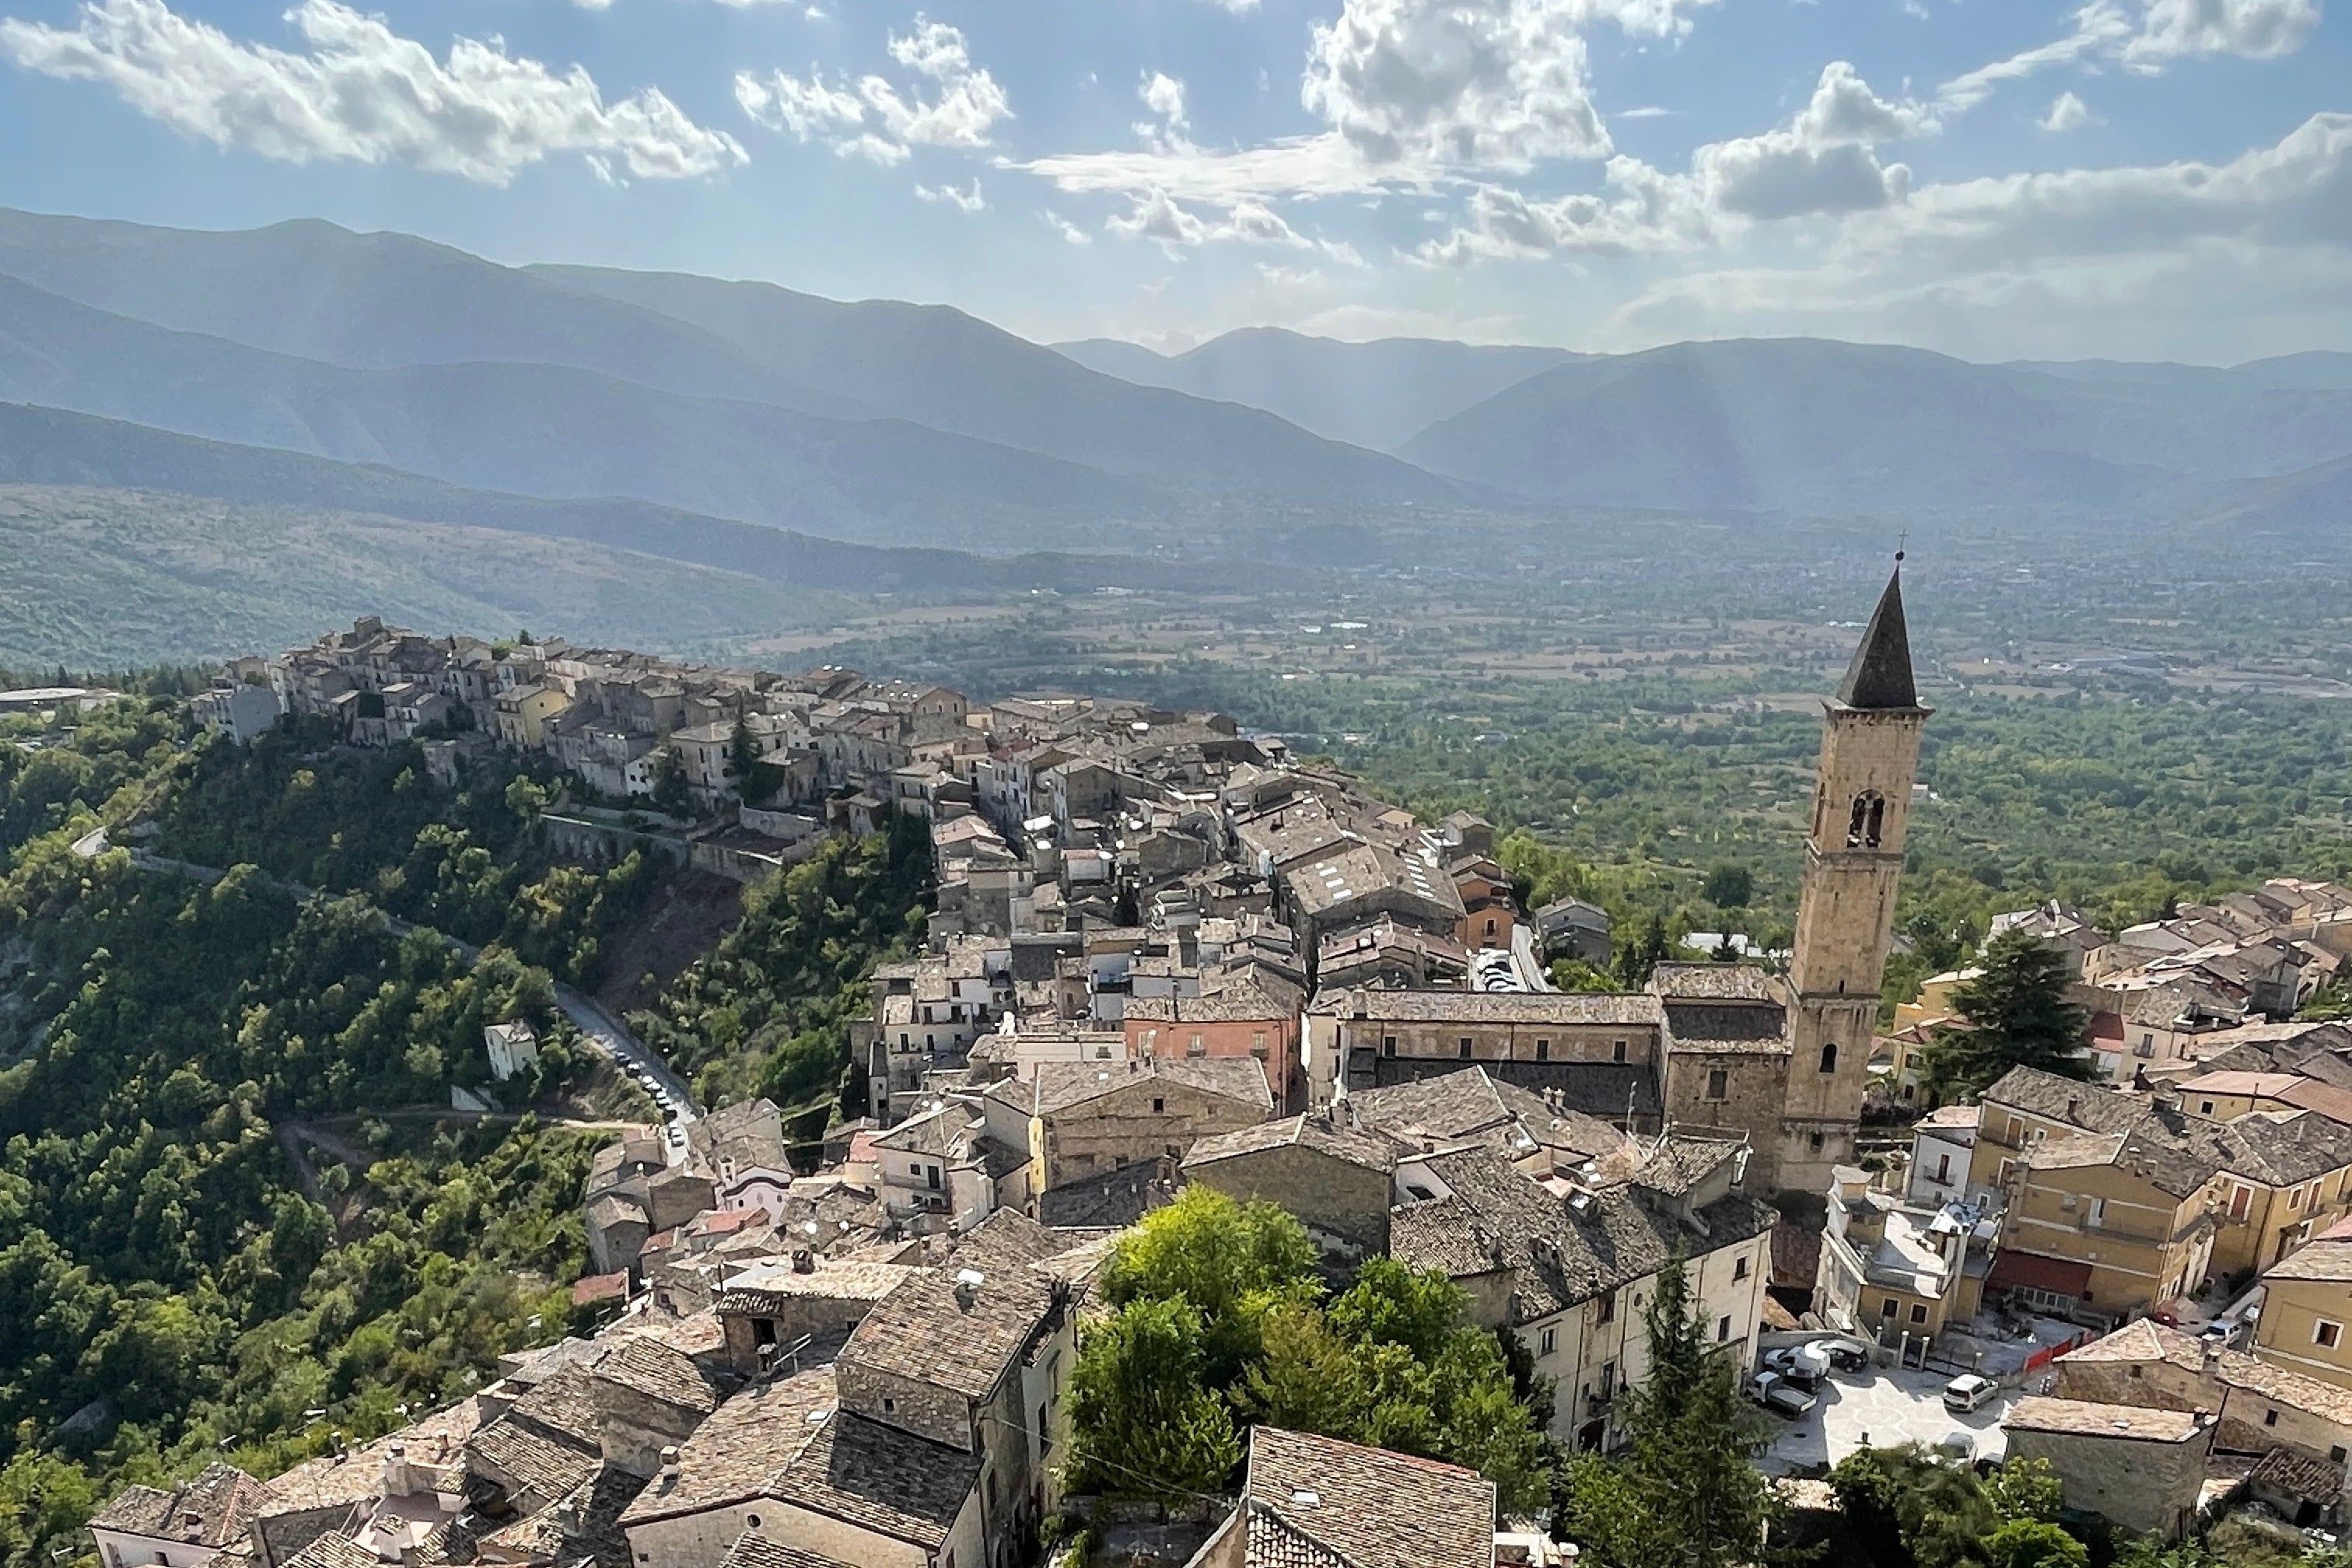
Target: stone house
pixel 1336 1178
pixel 2141 1469
pixel 1601 1051
pixel 766 1310
pixel 1311 1500
pixel 923 1445
pixel 1569 1272
pixel 520 715
pixel 2259 1406
pixel 179 1528
pixel 1571 928
pixel 1086 1117
pixel 2306 1321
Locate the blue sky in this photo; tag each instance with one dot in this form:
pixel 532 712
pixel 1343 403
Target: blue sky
pixel 1993 178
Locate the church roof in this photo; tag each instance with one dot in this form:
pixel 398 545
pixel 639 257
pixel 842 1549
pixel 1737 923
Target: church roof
pixel 1880 675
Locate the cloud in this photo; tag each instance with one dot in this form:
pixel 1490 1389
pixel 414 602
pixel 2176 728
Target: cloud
pixel 362 94
pixel 962 200
pixel 1156 215
pixel 1071 233
pixel 875 119
pixel 2198 258
pixel 2165 31
pixel 1823 161
pixel 2252 29
pixel 2067 112
pixel 1647 111
pixel 1236 7
pixel 1164 96
pixel 1495 84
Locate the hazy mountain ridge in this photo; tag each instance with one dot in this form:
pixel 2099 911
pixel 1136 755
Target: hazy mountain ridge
pixel 48 447
pixel 1376 394
pixel 1804 424
pixel 548 430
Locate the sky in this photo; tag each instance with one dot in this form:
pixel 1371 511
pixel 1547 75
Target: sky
pixel 2139 179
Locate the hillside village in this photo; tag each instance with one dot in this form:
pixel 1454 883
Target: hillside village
pixel 1168 954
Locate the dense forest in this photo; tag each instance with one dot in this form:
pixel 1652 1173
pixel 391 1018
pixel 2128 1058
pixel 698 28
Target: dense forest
pixel 232 1220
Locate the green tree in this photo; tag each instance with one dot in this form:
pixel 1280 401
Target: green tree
pixel 1231 1262
pixel 2012 1014
pixel 1684 1493
pixel 2026 1488
pixel 2034 1544
pixel 1729 885
pixel 1641 951
pixel 669 791
pixel 742 751
pixel 1141 1423
pixel 1306 1379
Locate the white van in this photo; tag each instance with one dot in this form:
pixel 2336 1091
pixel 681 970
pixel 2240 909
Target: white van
pixel 1969 1392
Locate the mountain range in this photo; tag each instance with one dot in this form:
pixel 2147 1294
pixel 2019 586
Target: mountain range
pixel 701 419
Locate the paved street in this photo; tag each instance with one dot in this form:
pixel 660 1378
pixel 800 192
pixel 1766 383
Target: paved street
pixel 1886 1406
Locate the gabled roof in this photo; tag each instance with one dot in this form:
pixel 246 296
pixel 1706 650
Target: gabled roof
pixel 212 1509
pixel 1371 1149
pixel 2091 1106
pixel 1880 676
pixel 1367 1507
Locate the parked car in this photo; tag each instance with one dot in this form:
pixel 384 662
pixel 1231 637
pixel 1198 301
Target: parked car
pixel 1846 1355
pixel 1804 1365
pixel 677 1136
pixel 1969 1392
pixel 1958 1445
pixel 1777 1394
pixel 632 1069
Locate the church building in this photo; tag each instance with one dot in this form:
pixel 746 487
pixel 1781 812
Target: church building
pixel 1706 1048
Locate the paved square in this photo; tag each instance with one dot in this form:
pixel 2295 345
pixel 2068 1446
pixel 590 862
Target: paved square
pixel 1890 1406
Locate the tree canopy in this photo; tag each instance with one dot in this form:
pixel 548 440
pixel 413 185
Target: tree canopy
pixel 2013 1013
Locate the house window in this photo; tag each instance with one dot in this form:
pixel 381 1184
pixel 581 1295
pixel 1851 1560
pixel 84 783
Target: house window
pixel 1550 1342
pixel 1617 1050
pixel 1723 1329
pixel 1886 1308
pixel 1158 1108
pixel 2295 1197
pixel 1739 1269
pixel 1197 1048
pixel 2327 1335
pixel 931 1176
pixel 1829 1057
pixel 1608 1305
pixel 1919 1312
pixel 2204 1108
pixel 2016 1132
pixel 751 1521
pixel 1718 1083
pixel 1817 1141
pixel 889 1405
pixel 1943 1170
pixel 1388 1045
pixel 2096 1214
pixel 1543 1050
pixel 1466 1048
pixel 2335 1454
pixel 2270 1417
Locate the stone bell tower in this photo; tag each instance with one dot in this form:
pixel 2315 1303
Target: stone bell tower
pixel 1845 915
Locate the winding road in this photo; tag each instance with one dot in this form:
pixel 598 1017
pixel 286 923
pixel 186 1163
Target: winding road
pixel 604 1032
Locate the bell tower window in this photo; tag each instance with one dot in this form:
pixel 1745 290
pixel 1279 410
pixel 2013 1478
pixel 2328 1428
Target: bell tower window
pixel 1866 824
pixel 1829 1057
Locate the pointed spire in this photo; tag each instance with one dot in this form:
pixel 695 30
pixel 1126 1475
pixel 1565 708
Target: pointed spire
pixel 1880 675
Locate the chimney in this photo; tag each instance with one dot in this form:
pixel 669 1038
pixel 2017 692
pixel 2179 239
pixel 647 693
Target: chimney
pixel 804 1260
pixel 396 1468
pixel 2074 1108
pixel 669 1465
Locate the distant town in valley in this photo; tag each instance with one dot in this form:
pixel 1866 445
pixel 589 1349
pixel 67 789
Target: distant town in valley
pixel 1177 1076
